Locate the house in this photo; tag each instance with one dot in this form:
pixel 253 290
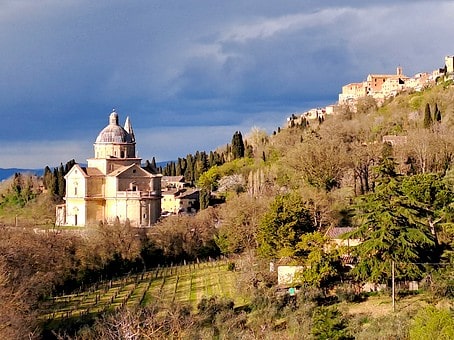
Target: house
pixel 352 91
pixel 113 186
pixel 335 235
pixel 378 86
pixel 287 276
pixel 176 182
pixel 183 200
pixel 449 65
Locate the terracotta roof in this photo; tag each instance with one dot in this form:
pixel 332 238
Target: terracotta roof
pixel 173 178
pixel 120 170
pixel 169 192
pixel 337 232
pixel 190 194
pixel 93 172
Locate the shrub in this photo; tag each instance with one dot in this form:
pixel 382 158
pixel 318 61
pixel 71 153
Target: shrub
pixel 329 323
pixel 432 323
pixel 385 327
pixel 442 285
pixel 348 294
pixel 310 294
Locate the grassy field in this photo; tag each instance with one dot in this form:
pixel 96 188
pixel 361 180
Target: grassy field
pixel 185 284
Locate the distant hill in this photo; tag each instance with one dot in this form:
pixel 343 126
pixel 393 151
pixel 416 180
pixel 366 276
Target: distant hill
pixel 7 173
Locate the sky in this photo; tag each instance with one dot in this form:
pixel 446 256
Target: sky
pixel 191 73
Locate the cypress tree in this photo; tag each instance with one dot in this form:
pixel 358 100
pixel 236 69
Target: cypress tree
pixel 202 163
pixel 204 198
pixel 61 181
pixel 69 165
pixel 178 171
pixel 237 145
pixel 211 160
pixel 180 166
pixel 437 114
pixel 189 173
pixel 55 182
pixel 47 178
pixel 427 117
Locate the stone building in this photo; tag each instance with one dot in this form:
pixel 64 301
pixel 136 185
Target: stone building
pixel 180 201
pixel 113 186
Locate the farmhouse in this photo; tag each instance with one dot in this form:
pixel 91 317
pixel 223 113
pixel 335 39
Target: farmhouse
pixel 113 187
pixel 183 200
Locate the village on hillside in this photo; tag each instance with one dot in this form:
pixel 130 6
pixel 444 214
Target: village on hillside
pixel 378 86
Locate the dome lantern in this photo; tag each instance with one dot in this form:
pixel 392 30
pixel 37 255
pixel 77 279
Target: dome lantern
pixel 114 140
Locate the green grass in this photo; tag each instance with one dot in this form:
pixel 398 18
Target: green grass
pixel 184 284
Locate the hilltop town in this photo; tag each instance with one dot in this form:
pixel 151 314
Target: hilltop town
pixel 379 87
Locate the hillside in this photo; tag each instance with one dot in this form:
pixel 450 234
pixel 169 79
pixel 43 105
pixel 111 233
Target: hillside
pixel 7 173
pixel 329 196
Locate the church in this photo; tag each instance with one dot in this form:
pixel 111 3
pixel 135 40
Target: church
pixel 113 186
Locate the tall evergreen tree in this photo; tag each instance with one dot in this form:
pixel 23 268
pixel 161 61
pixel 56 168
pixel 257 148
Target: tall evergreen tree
pixel 69 165
pixel 201 164
pixel 437 114
pixel 237 145
pixel 61 181
pixel 189 173
pixel 55 182
pixel 392 227
pixel 427 117
pixel 178 170
pixel 211 160
pixel 204 198
pixel 47 178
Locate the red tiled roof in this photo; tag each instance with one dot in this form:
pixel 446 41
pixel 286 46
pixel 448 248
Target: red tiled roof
pixel 337 232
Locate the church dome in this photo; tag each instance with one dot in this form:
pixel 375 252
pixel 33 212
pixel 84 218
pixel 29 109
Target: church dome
pixel 114 133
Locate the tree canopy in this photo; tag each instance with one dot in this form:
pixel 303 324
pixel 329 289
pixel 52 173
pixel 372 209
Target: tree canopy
pixel 392 227
pixel 282 226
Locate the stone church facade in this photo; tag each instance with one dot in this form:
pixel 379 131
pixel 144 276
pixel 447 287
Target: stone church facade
pixel 113 186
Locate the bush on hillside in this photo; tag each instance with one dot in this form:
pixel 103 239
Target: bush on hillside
pixel 432 323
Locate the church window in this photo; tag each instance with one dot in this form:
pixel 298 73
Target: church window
pixel 75 191
pixel 122 154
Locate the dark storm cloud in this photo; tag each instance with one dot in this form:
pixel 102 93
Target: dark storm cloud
pixel 174 65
